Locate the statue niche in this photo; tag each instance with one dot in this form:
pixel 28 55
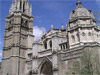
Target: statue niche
pixel 24 23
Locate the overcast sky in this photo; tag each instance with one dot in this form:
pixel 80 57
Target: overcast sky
pixel 46 12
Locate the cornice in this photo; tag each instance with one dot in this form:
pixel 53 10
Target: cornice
pixel 14 45
pixel 83 26
pixel 76 51
pixel 13 56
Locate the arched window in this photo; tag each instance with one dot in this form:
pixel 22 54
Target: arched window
pixel 45 45
pixel 97 35
pixel 73 39
pixel 77 35
pixel 83 34
pixel 66 46
pixel 63 46
pixel 50 43
pixel 24 7
pixel 30 55
pixel 89 34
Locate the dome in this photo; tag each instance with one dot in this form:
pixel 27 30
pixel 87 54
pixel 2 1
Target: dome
pixel 81 12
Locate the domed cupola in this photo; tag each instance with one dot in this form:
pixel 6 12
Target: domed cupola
pixel 81 16
pixel 81 27
pixel 81 12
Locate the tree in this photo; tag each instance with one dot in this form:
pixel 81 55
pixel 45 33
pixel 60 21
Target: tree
pixel 88 64
pixel 97 18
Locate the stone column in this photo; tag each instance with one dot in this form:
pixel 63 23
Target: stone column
pixel 35 59
pixel 54 54
pixel 93 35
pixel 80 36
pixel 34 66
pixel 55 62
pixel 69 40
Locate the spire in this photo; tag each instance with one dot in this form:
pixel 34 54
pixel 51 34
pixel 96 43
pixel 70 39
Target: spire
pixel 51 26
pixel 20 5
pixel 79 4
pixel 62 26
pixel 26 7
pixel 12 8
pixel 30 10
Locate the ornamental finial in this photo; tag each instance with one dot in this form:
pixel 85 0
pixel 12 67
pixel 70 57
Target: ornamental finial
pixel 79 4
pixel 51 26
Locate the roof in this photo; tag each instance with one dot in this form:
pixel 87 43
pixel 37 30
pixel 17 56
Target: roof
pixel 80 11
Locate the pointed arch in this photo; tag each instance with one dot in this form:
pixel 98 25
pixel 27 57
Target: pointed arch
pixel 44 66
pixel 45 59
pixel 73 38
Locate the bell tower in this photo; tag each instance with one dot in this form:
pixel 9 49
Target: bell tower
pixel 17 38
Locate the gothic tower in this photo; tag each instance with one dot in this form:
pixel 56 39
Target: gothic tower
pixel 17 38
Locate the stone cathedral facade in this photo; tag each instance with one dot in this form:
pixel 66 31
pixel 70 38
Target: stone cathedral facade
pixel 55 51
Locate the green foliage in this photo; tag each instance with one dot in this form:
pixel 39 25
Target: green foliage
pixel 89 64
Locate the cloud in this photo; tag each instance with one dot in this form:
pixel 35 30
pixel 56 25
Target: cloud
pixel 37 32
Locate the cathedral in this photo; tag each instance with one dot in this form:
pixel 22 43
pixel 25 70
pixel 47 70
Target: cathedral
pixel 55 50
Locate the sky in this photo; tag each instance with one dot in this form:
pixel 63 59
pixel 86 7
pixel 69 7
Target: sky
pixel 46 12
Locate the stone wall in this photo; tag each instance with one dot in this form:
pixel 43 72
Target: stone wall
pixel 65 63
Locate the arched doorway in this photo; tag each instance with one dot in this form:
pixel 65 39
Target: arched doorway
pixel 46 69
